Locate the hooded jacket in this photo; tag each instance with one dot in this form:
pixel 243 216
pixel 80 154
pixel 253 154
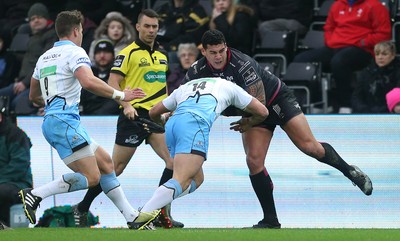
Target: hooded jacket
pixel 364 24
pixel 101 33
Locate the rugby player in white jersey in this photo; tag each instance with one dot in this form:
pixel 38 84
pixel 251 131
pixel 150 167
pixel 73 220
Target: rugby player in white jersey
pixel 56 84
pixel 196 105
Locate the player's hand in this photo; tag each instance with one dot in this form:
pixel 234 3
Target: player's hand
pixel 241 125
pixel 165 117
pixel 130 112
pixel 131 94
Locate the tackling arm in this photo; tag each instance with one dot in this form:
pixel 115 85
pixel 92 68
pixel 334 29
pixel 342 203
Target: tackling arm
pixel 259 113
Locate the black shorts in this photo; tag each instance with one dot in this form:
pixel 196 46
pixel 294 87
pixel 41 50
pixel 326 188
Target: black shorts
pixel 131 133
pixel 282 109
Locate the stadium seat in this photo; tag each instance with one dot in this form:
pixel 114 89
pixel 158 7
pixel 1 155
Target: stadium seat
pixel 313 39
pixel 274 63
pixel 308 85
pixel 279 42
pixel 322 12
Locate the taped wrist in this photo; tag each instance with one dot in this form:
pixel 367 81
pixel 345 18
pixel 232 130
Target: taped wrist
pixel 118 95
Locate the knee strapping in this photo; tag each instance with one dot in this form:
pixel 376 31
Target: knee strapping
pixel 76 181
pixel 109 182
pixel 174 184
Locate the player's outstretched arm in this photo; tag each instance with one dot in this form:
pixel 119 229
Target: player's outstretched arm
pixel 156 113
pixel 97 86
pixel 259 113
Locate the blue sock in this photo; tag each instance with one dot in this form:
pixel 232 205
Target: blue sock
pixel 193 186
pixel 109 182
pixel 76 181
pixel 174 184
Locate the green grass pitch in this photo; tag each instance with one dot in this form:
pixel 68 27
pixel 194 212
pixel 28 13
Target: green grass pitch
pixel 192 234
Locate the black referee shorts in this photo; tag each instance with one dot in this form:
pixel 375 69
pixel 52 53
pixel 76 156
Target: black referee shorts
pixel 131 133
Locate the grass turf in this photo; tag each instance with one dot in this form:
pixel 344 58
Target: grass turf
pixel 190 234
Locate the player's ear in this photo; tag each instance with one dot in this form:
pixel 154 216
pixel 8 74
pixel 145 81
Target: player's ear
pixel 203 51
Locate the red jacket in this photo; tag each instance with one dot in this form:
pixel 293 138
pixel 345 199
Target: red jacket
pixel 364 24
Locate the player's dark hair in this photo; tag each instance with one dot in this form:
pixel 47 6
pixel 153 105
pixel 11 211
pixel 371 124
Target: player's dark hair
pixel 212 37
pixel 149 13
pixel 66 21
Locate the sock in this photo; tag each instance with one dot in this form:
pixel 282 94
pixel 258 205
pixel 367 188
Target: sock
pixel 191 188
pixel 333 159
pixel 263 187
pixel 166 175
pixel 163 195
pixel 90 195
pixel 69 182
pixel 111 187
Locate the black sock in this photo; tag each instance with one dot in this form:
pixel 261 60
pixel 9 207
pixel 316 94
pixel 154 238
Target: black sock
pixel 166 175
pixel 333 159
pixel 91 194
pixel 263 187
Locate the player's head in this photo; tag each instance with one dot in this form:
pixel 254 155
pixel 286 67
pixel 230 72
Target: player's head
pixel 214 48
pixel 147 26
pixel 69 26
pixel 212 37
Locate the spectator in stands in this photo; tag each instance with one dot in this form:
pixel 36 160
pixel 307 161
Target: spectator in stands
pixel 283 15
pixel 376 80
pixel 352 29
pixel 43 36
pixel 15 162
pixel 187 54
pixel 181 21
pixel 92 104
pixel 117 29
pixel 9 65
pixel 393 100
pixel 236 22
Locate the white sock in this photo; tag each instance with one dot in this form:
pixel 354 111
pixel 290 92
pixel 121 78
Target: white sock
pixel 52 188
pixel 119 199
pixel 69 182
pixel 161 197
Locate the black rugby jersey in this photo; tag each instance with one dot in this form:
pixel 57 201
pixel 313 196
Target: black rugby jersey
pixel 242 70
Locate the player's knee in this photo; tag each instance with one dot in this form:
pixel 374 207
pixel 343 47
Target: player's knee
pixel 93 179
pixel 255 164
pixel 119 168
